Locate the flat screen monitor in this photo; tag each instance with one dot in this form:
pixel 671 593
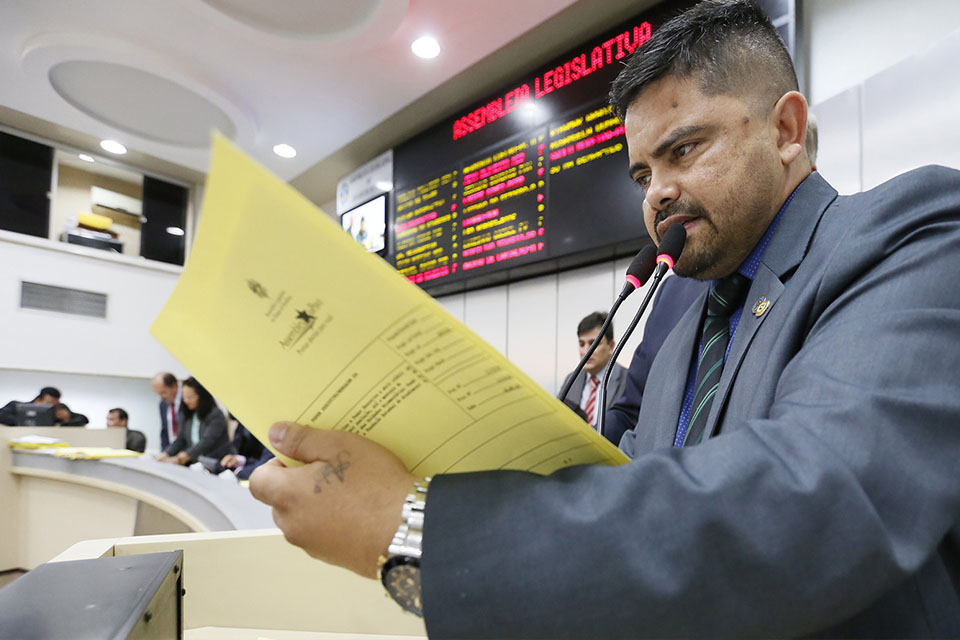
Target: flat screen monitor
pixel 30 414
pixel 367 224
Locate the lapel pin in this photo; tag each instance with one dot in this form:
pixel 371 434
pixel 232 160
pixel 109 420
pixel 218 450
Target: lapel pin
pixel 760 306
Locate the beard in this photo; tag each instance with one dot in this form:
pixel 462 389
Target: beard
pixel 723 236
pixel 697 256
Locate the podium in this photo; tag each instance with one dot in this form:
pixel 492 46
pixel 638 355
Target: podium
pixel 245 585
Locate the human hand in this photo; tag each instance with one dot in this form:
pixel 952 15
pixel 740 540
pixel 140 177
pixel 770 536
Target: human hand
pixel 344 505
pixel 181 458
pixel 162 457
pixel 229 461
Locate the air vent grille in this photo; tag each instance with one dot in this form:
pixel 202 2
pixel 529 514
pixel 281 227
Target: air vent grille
pixel 62 300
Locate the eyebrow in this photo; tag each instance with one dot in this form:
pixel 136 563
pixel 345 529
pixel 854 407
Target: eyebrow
pixel 675 136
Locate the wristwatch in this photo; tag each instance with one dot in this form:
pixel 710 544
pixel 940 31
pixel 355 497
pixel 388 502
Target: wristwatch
pixel 400 569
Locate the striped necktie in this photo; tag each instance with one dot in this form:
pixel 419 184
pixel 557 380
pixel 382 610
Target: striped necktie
pixel 591 407
pixel 725 298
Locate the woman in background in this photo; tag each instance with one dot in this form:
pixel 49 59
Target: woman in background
pixel 203 428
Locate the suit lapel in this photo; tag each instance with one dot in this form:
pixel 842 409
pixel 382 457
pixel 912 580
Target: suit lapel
pixel 576 391
pixel 668 375
pixel 767 285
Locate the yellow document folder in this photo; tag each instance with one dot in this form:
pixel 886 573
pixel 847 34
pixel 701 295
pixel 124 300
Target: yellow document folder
pixel 282 316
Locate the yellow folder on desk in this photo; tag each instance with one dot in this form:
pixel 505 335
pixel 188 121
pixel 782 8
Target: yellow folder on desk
pixel 283 317
pixel 36 442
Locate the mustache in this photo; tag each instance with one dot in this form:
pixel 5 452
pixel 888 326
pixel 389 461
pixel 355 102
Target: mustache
pixel 676 208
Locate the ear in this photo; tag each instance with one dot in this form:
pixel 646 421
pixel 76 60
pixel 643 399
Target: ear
pixel 790 114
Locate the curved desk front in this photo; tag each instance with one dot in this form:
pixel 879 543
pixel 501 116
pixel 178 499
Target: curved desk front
pixel 60 502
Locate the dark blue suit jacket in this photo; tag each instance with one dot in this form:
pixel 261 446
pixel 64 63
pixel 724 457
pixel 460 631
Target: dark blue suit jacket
pixel 164 431
pixel 674 297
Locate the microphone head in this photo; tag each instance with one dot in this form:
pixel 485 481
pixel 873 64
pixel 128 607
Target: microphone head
pixel 672 245
pixel 642 266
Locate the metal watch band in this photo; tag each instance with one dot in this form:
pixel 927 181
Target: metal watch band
pixel 408 540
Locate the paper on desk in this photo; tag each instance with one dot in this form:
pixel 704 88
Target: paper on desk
pixel 94 453
pixel 36 442
pixel 283 317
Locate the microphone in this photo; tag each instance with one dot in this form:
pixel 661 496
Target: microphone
pixel 638 271
pixel 667 255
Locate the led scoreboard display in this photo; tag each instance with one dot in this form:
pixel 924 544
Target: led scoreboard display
pixel 531 180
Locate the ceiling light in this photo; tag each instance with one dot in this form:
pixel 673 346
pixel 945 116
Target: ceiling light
pixel 112 146
pixel 284 151
pixel 85 157
pixel 384 185
pixel 426 47
pixel 175 231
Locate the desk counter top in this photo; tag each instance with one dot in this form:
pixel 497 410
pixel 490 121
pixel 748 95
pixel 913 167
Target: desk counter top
pixel 205 502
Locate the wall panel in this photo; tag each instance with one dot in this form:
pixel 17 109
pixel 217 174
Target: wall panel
pixel 532 328
pixel 485 312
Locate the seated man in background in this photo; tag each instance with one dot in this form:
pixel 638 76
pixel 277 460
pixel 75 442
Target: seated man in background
pixel 203 427
pixel 247 453
pixel 47 395
pixel 67 418
pixel 585 391
pixel 136 441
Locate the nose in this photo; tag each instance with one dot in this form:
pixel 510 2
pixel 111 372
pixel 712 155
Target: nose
pixel 662 190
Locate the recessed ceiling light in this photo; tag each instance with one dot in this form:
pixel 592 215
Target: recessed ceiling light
pixel 112 146
pixel 85 157
pixel 175 231
pixel 384 185
pixel 426 47
pixel 284 151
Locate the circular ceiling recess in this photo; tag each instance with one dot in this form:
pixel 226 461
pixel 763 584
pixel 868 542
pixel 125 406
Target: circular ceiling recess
pixel 140 103
pixel 321 19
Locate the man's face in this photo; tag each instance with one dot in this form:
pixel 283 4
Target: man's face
pixel 708 163
pixel 601 356
pixel 114 420
pixel 167 394
pixel 47 399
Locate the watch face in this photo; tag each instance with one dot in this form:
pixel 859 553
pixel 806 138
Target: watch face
pixel 401 578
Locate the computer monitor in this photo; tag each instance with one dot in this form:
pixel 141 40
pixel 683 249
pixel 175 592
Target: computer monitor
pixel 33 414
pixel 367 224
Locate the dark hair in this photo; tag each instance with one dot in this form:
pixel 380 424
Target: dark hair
pixel 205 402
pixel 49 391
pixel 594 321
pixel 728 47
pixel 120 413
pixel 169 380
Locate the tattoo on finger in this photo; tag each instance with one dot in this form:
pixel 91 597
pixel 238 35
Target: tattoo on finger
pixel 331 470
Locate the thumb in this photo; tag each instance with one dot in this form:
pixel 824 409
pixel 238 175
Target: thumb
pixel 296 441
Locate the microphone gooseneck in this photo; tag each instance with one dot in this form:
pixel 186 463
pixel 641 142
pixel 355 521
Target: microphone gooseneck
pixel 667 255
pixel 637 273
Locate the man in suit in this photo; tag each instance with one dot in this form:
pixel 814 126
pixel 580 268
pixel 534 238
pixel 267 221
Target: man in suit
pixel 585 389
pixel 674 297
pixel 166 386
pixel 136 441
pixel 794 469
